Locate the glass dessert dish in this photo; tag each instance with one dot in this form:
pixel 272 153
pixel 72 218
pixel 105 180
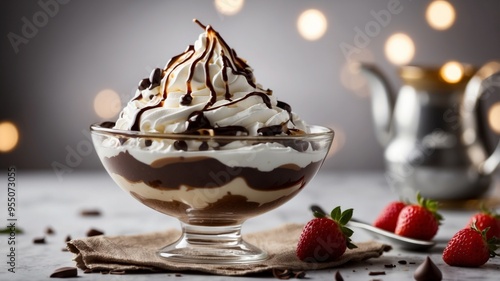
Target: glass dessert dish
pixel 211 183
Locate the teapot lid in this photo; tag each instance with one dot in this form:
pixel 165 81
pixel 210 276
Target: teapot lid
pixel 432 78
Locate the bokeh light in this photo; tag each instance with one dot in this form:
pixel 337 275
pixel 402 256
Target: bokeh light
pixel 229 7
pixel 350 73
pixel 9 136
pixel 107 103
pixel 338 140
pixel 494 117
pixel 399 49
pixel 452 72
pixel 440 15
pixel 312 24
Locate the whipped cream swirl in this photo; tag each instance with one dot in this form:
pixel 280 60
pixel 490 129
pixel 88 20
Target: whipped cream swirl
pixel 207 89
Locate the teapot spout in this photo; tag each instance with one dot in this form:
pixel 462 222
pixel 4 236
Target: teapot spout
pixel 382 102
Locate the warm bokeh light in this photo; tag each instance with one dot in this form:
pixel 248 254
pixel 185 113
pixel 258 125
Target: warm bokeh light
pixel 338 140
pixel 107 103
pixel 9 136
pixel 440 15
pixel 353 80
pixel 229 7
pixel 399 49
pixel 452 72
pixel 312 24
pixel 494 117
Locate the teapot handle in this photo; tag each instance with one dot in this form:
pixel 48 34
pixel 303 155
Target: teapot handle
pixel 486 77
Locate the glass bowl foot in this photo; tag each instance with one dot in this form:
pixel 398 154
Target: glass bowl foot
pixel 213 245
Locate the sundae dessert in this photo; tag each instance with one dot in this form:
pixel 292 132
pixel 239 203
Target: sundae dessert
pixel 202 141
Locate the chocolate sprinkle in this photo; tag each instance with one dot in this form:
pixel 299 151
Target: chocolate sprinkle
pixel 39 240
pixel 374 273
pixel 90 213
pixel 94 232
pixel 49 230
pixel 65 272
pixel 402 262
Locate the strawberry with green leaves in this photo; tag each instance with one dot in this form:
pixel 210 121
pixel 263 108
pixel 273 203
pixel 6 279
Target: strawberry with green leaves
pixel 470 248
pixel 486 219
pixel 388 217
pixel 325 238
pixel 419 221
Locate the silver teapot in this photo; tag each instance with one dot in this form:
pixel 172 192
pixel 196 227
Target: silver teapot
pixel 430 133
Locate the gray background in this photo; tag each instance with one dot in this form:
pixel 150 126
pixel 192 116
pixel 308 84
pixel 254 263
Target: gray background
pixel 48 87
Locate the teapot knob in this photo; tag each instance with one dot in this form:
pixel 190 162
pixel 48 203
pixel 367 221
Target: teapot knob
pixel 474 91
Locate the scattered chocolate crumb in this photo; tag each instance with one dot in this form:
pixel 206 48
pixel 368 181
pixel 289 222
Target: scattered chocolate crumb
pixel 373 273
pixel 88 270
pixel 354 270
pixel 389 265
pixel 64 272
pixel 94 232
pixel 402 262
pixel 282 274
pixel 64 249
pixel 39 240
pixel 117 272
pixel 412 262
pixel 178 275
pixel 49 230
pixel 299 274
pixel 68 238
pixel 338 277
pixel 90 213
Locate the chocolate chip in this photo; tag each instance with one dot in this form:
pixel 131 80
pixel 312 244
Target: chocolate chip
pixel 107 124
pixel 49 231
pixel 181 145
pixel 148 142
pixel 428 271
pixel 155 78
pixel 338 277
pixel 144 84
pixel 373 273
pixel 94 232
pixel 203 146
pixel 39 240
pixel 402 262
pixel 65 272
pixel 90 213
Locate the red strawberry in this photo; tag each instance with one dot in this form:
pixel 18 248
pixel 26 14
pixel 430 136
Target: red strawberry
pixel 325 239
pixel 388 217
pixel 469 248
pixel 419 221
pixel 486 218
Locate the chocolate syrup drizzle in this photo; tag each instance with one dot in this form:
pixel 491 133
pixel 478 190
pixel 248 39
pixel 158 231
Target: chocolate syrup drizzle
pixel 230 62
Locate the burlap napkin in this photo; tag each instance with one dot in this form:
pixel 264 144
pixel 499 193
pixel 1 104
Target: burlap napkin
pixel 138 253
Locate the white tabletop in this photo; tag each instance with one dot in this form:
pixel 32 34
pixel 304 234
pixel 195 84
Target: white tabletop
pixel 45 201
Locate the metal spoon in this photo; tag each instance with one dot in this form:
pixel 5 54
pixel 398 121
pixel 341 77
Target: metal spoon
pixel 394 239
